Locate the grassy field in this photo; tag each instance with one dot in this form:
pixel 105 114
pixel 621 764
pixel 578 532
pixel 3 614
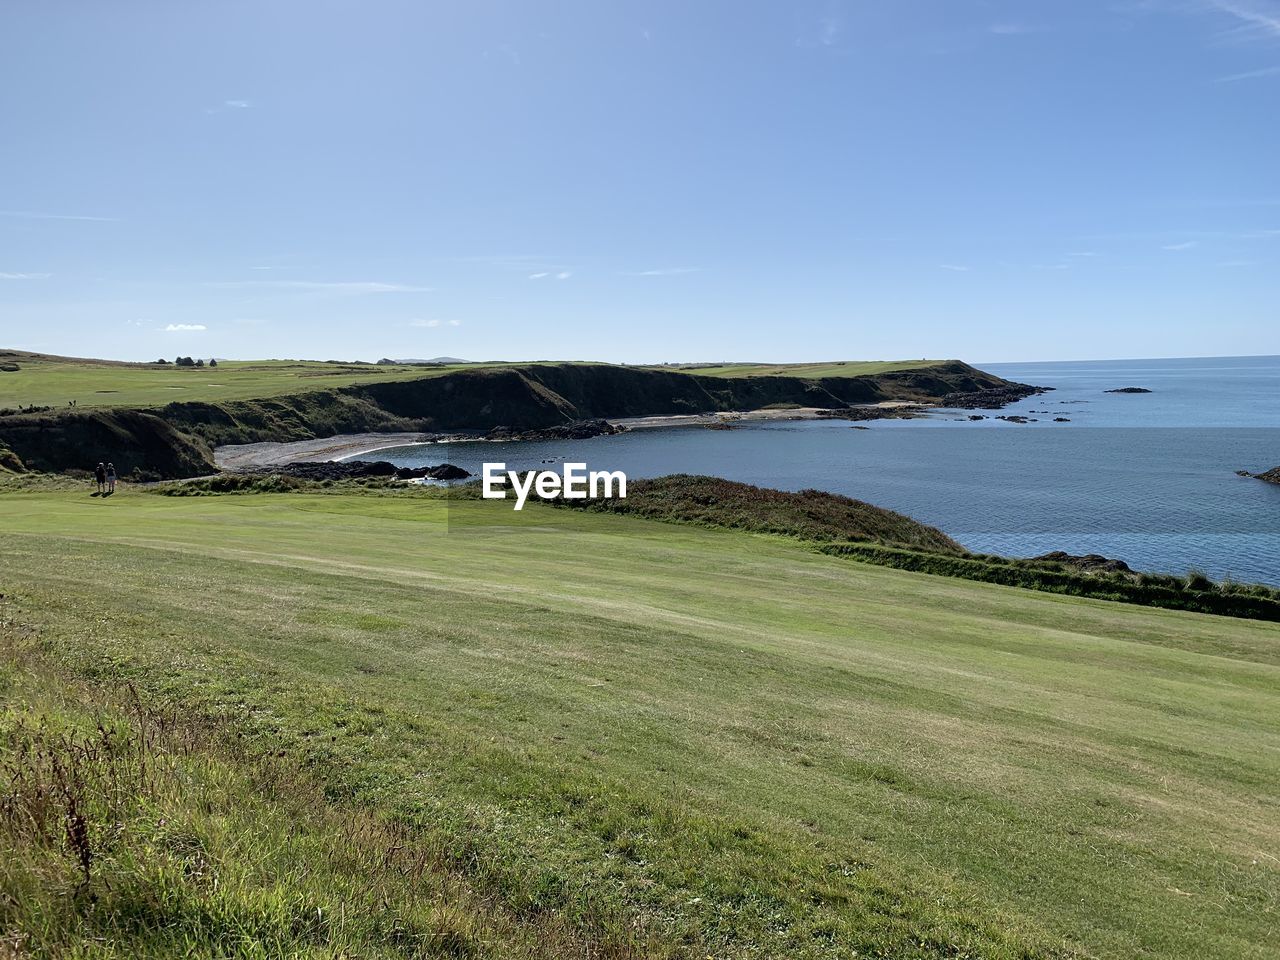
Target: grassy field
pixel 831 368
pixel 615 737
pixel 54 381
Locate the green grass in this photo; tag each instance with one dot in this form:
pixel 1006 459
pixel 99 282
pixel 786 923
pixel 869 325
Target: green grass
pixel 721 743
pixel 54 381
pixel 826 368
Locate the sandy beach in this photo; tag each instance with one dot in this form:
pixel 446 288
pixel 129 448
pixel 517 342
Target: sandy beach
pixel 254 456
pixel 250 456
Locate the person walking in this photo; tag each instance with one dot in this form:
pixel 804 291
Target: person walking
pixel 100 474
pixel 111 478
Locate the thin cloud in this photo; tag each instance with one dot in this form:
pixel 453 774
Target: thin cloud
pixel 1249 75
pixel 563 275
pixel 662 272
pixel 434 323
pixel 1084 253
pixel 237 104
pixel 540 275
pixel 185 328
pixel 25 276
pixel 1257 19
pixel 1013 29
pixel 32 215
pixel 954 267
pixel 1187 245
pixel 340 287
pixel 825 31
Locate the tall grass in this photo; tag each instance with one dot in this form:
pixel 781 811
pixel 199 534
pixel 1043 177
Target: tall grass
pixel 130 830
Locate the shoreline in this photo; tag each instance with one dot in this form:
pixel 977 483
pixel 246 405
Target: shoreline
pixel 269 453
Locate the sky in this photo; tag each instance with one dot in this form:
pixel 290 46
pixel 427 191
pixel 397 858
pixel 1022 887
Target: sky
pixel 672 180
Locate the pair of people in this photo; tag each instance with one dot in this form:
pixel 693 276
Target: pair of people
pixel 105 474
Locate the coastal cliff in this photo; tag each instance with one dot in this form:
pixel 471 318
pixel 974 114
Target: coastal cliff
pixel 177 440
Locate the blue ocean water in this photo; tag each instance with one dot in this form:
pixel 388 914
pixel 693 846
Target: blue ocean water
pixel 1148 478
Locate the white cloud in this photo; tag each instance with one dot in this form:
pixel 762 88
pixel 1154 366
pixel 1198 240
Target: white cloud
pixel 662 272
pixel 185 328
pixel 1257 18
pixel 455 323
pixel 563 275
pixel 539 276
pixel 1083 253
pixel 25 276
pixel 343 287
pixel 236 104
pixel 434 323
pixel 954 267
pixel 1186 245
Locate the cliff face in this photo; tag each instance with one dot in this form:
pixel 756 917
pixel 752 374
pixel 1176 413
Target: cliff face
pixel 177 440
pixel 139 443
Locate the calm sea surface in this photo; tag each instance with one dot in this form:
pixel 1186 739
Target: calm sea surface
pixel 1149 478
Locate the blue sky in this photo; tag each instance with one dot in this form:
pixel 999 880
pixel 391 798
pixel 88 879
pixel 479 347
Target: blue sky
pixel 985 179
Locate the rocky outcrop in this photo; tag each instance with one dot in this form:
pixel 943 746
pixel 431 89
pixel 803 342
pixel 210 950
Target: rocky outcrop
pixel 990 398
pixel 578 430
pixel 1089 563
pixel 141 444
pixel 1270 476
pixel 1128 390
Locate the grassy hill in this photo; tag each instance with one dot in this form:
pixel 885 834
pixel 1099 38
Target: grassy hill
pixel 43 380
pixel 394 725
pixel 820 370
pixel 175 440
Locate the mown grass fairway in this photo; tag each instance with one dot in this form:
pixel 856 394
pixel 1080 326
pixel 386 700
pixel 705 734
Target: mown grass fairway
pixel 703 743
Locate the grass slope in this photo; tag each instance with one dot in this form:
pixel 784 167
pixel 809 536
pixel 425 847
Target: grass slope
pixel 808 515
pixel 820 370
pixel 675 739
pixel 54 381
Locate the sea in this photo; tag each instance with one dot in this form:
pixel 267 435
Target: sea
pixel 1147 478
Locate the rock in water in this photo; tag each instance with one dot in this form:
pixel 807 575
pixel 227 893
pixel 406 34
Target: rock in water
pixel 1128 390
pixel 1270 476
pixel 1089 563
pixel 578 430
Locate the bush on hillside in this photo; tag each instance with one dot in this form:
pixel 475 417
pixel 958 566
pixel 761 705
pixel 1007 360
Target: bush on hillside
pixel 808 515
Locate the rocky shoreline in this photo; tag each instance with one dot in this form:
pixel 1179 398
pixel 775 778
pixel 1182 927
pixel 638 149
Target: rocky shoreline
pixel 1269 476
pixel 993 398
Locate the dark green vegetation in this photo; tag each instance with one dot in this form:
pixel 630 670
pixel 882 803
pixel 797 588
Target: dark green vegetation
pixel 176 439
pixel 807 515
pixel 1192 592
pixel 891 539
pixel 383 723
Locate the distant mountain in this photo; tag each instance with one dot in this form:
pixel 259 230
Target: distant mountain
pixel 437 360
